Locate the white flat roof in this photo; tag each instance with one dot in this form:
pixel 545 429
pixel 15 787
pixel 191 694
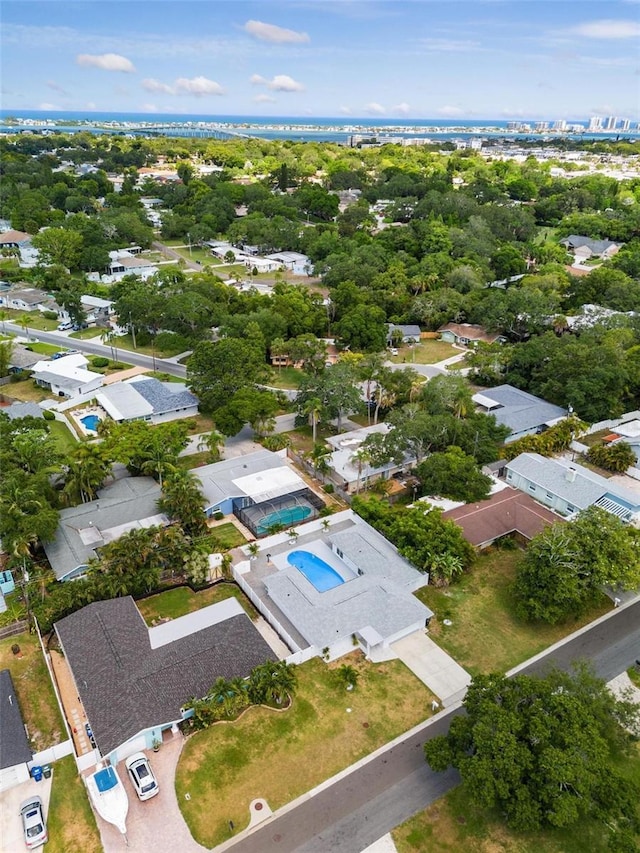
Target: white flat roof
pixel 189 624
pixel 266 485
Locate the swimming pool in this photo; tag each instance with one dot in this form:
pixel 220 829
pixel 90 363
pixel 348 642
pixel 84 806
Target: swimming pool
pixel 315 570
pixel 90 422
pixel 286 516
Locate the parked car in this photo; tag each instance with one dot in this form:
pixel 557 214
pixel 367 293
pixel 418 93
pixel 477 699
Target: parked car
pixel 141 775
pixel 33 823
pixel 393 350
pixel 65 327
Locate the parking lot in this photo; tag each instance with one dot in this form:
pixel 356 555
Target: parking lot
pixel 11 837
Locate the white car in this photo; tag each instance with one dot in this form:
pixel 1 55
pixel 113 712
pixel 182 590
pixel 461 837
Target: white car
pixel 34 825
pixel 141 775
pixel 393 350
pixel 65 327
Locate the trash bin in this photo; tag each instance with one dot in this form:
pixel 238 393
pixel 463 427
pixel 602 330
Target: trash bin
pixel 36 773
pixel 46 771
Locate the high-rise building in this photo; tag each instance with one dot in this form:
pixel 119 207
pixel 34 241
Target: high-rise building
pixel 595 123
pixel 541 125
pixel 625 124
pixel 611 122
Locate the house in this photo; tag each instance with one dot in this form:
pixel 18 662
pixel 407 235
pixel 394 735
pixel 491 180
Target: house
pixel 23 410
pixel 262 265
pixel 591 315
pixel 467 334
pixel 522 412
pixel 134 681
pixel 22 358
pixel 330 591
pixel 67 376
pixel 569 488
pixel 348 472
pixel 27 299
pixel 295 262
pixel 97 310
pixel 584 248
pixel 260 489
pixel 506 512
pixel 13 239
pixel 125 263
pixel 629 432
pixel 402 334
pixel 15 752
pixel 124 505
pixel 148 399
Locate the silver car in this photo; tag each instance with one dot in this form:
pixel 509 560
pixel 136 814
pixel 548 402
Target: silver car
pixel 141 775
pixel 33 823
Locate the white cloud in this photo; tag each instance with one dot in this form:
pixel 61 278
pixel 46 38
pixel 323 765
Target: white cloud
pixel 376 109
pixel 56 87
pixel 257 80
pixel 608 29
pixel 264 99
pixel 346 111
pixel 153 85
pixel 274 34
pixel 49 107
pixel 284 83
pixel 198 86
pixel 402 109
pixel 449 111
pixel 106 61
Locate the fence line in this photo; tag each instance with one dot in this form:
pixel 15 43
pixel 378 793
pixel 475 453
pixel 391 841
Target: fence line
pixel 14 628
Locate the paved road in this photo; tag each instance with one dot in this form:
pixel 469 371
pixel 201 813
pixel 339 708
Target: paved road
pixel 371 800
pixel 92 348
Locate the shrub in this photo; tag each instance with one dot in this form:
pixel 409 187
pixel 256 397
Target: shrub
pixel 218 516
pixel 275 442
pixel 614 457
pixel 329 489
pixel 48 416
pixel 50 315
pixel 100 361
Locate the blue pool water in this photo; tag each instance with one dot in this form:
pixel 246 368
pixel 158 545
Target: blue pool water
pixel 285 516
pixel 90 422
pixel 315 570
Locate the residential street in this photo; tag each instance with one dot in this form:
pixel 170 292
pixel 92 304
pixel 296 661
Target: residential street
pixel 370 799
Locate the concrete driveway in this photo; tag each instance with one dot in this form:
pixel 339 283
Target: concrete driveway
pixel 433 666
pixel 11 835
pixel 157 825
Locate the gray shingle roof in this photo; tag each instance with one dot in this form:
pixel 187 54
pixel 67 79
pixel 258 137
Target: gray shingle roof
pixel 22 357
pixel 14 746
pixel 519 410
pixel 597 247
pixel 165 396
pixel 126 686
pixel 123 502
pixel 23 410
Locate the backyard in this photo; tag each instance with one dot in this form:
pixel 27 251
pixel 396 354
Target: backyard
pixel 480 607
pixel 27 391
pixel 426 352
pixel 34 690
pixel 182 600
pixel 225 767
pixel 70 821
pixel 65 441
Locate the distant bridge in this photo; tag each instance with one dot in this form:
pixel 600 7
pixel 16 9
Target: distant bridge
pixel 186 130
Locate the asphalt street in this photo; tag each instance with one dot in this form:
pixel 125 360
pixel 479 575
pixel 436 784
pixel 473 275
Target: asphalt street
pixel 364 804
pixel 91 348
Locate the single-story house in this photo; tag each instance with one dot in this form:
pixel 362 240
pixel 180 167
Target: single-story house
pixel 630 433
pixel 335 589
pixel 125 263
pixel 296 262
pixel 568 488
pixel 262 265
pixel 260 489
pixel 15 752
pixel 122 506
pixel 585 247
pixel 27 299
pixel 348 472
pixel 67 376
pixel 522 412
pixel 148 399
pixel 96 310
pixel 592 315
pixel 13 239
pixel 406 334
pixel 504 513
pixel 23 410
pixel 22 358
pixel 468 334
pixel 134 681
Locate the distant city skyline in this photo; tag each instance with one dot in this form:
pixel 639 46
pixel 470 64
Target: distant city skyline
pixel 391 59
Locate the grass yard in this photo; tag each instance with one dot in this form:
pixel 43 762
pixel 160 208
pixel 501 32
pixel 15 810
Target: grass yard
pixel 65 441
pixel 125 342
pixel 44 349
pixel 426 352
pixel 280 755
pixel 485 635
pixel 194 460
pixel 36 320
pixel 181 600
pixel 286 377
pixel 70 821
pixel 454 824
pixel 87 334
pixel 199 423
pixel 302 437
pixel 27 391
pixel 595 437
pixel 227 536
pixel 34 690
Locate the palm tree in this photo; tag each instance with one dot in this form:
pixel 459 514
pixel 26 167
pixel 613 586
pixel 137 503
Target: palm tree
pixel 254 549
pixel 367 371
pixel 159 462
pixel 212 441
pixel 24 321
pixel 318 457
pixel 4 316
pixel 107 337
pixel 348 675
pixel 86 472
pixel 313 410
pixel 361 458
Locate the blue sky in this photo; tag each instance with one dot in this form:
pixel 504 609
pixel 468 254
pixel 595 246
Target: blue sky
pixel 377 58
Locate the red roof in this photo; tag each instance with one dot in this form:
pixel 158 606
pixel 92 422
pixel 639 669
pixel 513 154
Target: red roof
pixel 507 511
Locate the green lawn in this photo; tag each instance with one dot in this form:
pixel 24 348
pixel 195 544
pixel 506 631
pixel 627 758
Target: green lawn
pixel 286 377
pixel 227 536
pixel 302 437
pixel 454 824
pixel 34 690
pixel 44 349
pixel 182 600
pixel 64 439
pixel 70 821
pixel 194 460
pixel 485 635
pixel 27 391
pixel 280 755
pixel 86 334
pixel 426 352
pixel 35 319
pixel 125 342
